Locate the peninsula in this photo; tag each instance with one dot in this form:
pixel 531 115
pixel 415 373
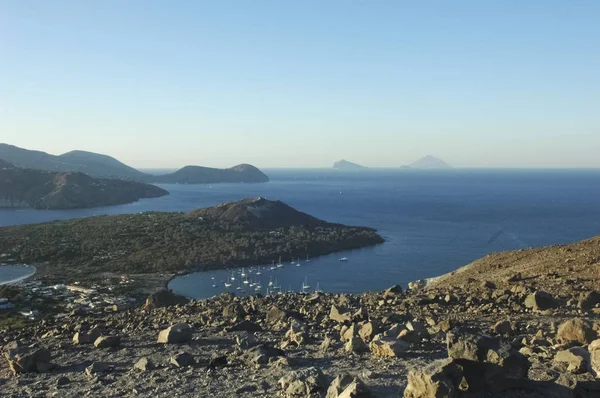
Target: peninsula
pixel 27 188
pixel 103 166
pixel 250 231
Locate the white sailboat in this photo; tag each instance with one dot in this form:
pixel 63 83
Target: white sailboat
pixel 232 276
pixel 243 274
pixel 270 281
pixel 280 264
pixel 307 259
pixel 305 284
pixel 298 263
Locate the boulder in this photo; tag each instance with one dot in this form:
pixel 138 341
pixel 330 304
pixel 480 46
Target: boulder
pixel 348 332
pixel 275 314
pixel 297 333
pixel 502 327
pixel 97 367
pixel 439 379
pixel 340 315
pixel 487 363
pixel 27 359
pixel 303 382
pixel 179 333
pixel 540 301
pixel 589 300
pixel 367 331
pixel 234 310
pixel 594 349
pixel 577 359
pixel 387 347
pixel 144 364
pixel 261 354
pixel 182 359
pixel 355 344
pixel 107 341
pixel 245 326
pixel 87 337
pixel 576 331
pixel 346 386
pixel 392 291
pixel 164 298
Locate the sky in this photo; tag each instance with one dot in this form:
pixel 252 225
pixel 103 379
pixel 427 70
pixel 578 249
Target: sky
pixel 495 83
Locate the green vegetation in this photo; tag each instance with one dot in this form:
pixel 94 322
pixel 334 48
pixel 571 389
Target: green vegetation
pixel 170 242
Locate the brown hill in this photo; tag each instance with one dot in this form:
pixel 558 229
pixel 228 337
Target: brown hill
pixel 46 190
pixel 258 213
pixel 559 269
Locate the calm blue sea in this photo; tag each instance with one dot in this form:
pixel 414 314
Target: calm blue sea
pixel 433 221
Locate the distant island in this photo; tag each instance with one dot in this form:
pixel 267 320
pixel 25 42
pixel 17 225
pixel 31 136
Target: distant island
pixel 27 188
pixel 346 165
pixel 103 166
pixel 247 232
pixel 429 162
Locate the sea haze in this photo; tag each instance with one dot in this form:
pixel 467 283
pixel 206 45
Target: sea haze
pixel 433 221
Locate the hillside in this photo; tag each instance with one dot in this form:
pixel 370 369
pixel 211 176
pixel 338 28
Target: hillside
pixel 555 269
pixel 429 162
pixel 103 166
pixel 47 190
pixel 167 242
pixel 258 214
pixel 346 165
pixel 207 175
pixel 93 164
pixel 5 165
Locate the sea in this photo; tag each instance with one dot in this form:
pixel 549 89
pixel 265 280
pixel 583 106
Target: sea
pixel 433 221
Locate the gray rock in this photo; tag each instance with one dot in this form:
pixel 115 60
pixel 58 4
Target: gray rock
pixel 87 337
pixel 26 359
pixel 303 382
pixel 540 301
pixel 355 344
pixel 577 359
pixel 387 347
pixel 164 298
pixel 144 364
pixel 97 367
pixel 439 379
pixel 179 333
pixel 182 359
pixel 577 331
pixel 107 341
pixel 346 386
pixel 340 315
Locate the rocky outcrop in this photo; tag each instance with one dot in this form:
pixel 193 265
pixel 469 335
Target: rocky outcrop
pixel 164 298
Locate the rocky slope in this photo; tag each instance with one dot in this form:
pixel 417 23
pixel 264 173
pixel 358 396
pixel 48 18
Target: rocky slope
pixel 46 190
pixel 102 166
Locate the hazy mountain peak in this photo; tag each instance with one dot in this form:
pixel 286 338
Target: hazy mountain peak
pixel 430 162
pixel 347 165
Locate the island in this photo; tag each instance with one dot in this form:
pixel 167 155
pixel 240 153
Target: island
pixel 27 188
pixel 248 232
pixel 346 165
pixel 429 162
pixel 103 166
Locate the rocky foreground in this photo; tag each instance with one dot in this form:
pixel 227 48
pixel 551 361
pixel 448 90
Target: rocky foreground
pixel 483 341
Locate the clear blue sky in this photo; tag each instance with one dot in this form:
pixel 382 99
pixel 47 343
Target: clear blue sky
pixel 501 83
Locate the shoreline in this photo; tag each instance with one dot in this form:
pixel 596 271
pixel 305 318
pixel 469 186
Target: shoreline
pixel 21 278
